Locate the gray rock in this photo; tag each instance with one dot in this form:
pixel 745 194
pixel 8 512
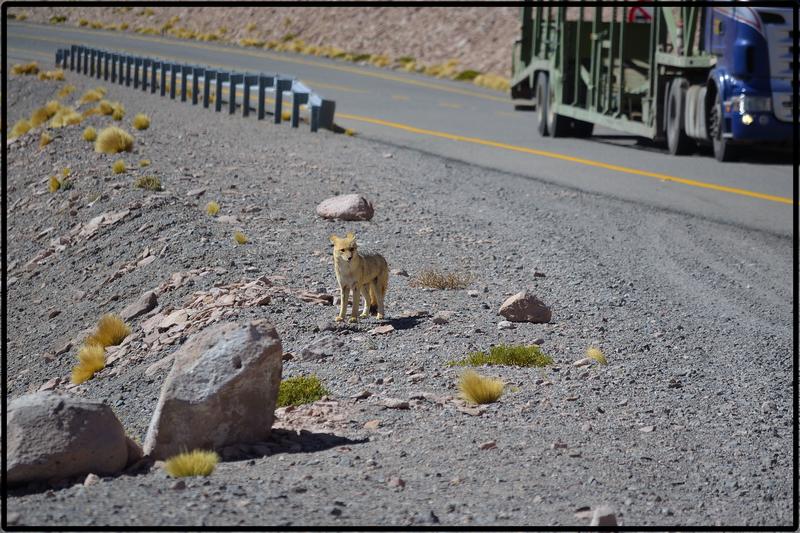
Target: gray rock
pixel 221 390
pixel 505 324
pixel 442 317
pixel 603 516
pixel 321 348
pixel 346 207
pixel 54 436
pixel 143 305
pixel 525 307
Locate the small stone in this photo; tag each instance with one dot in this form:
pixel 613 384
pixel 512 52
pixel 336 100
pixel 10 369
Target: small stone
pixel 372 424
pixel 178 485
pixel 90 480
pixel 382 330
pixel 50 384
pixel 559 446
pixel 586 426
pixel 647 429
pixel 603 516
pixel 196 193
pixel 488 445
pixel 767 406
pixel 505 324
pixel 473 294
pixel 442 317
pixel 396 481
pixel 363 395
pixel 583 362
pixel 395 403
pixel 525 307
pixel 399 272
pixel 346 207
pixel 54 313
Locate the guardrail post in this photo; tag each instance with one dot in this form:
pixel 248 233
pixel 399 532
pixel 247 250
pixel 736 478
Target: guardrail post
pixel 248 80
pixel 58 56
pixel 73 49
pixel 234 80
pixel 207 75
pixel 106 60
pixel 67 53
pixel 114 67
pixel 128 64
pixel 145 66
pixel 137 61
pixel 155 65
pixel 221 76
pixel 280 86
pixel 326 112
pixel 163 78
pixel 195 75
pixel 184 74
pixel 173 72
pixel 314 117
pixel 297 100
pixel 93 56
pixel 85 61
pixel 263 82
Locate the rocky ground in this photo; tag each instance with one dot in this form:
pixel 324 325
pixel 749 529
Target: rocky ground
pixel 689 424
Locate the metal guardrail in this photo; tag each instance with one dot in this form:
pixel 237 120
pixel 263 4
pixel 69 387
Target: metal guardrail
pixel 151 73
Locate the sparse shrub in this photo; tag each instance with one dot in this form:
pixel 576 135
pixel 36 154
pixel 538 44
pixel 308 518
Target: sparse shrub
pixel 405 59
pixel 83 22
pixel 194 463
pixel 141 121
pixel 65 91
pixel 66 172
pixel 92 95
pixel 91 359
pixel 119 166
pixel 57 19
pixel 96 25
pixel 39 117
pixel 144 163
pixel 45 139
pixel 300 390
pixel 25 68
pixel 477 389
pixel 251 27
pixel 65 116
pixel 492 81
pixel 20 128
pixel 434 279
pixel 91 111
pixel 90 134
pixel 507 355
pixel 240 237
pixel 251 42
pixel 212 208
pixel 105 107
pixel 66 184
pixel 119 111
pixel 113 140
pixel 52 107
pixel 150 183
pixel 467 75
pixel 53 75
pixel 111 330
pixel 53 184
pixel 595 353
pixel 358 58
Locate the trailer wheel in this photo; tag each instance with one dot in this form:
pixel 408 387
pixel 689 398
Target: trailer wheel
pixel 541 103
pixel 557 125
pixel 723 149
pixel 678 142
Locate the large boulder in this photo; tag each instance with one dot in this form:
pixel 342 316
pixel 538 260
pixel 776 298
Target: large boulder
pixel 525 307
pixel 55 436
pixel 222 390
pixel 346 207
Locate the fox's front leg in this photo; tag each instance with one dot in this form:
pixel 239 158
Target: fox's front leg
pixel 356 302
pixel 344 294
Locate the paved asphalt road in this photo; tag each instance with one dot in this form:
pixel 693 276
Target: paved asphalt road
pixel 480 126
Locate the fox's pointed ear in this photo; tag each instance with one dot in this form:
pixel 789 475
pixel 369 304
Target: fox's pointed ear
pixel 350 235
pixel 333 238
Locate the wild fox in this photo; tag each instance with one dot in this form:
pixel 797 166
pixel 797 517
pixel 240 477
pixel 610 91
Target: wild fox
pixel 367 275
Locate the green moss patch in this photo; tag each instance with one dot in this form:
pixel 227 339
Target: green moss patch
pixel 507 355
pixel 300 390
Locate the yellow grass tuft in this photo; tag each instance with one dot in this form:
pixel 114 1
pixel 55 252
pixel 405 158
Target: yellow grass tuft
pixel 119 111
pixel 53 184
pixel 212 208
pixel 56 75
pixel 477 389
pixel 105 107
pixel 66 172
pixel 52 107
pixel 91 359
pixel 194 463
pixel 492 81
pixel 141 121
pixel 89 134
pixel 350 132
pixel 65 116
pixel 65 91
pixel 144 163
pixel 39 117
pixel 119 166
pixel 92 95
pixel 45 139
pixel 20 128
pixel 596 354
pixel 111 330
pixel 150 183
pixel 83 22
pixel 113 140
pixel 435 279
pixel 240 237
pixel 25 68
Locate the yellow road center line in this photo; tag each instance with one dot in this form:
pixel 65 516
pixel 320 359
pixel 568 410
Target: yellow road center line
pixel 298 61
pixel 553 155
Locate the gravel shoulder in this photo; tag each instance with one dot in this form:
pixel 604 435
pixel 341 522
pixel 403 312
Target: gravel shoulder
pixel 689 424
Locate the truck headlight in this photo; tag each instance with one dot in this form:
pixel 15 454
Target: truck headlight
pixel 752 104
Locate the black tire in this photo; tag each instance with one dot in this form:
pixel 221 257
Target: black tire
pixel 724 151
pixel 582 129
pixel 677 141
pixel 557 125
pixel 541 103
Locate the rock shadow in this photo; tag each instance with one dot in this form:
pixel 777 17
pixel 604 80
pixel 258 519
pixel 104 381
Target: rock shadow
pixel 286 441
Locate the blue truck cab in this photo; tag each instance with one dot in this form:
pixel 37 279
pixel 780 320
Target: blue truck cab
pixel 749 90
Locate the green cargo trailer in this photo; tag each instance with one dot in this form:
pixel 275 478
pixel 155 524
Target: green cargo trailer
pixel 590 65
